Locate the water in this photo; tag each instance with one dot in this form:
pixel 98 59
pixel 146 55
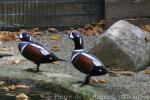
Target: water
pixel 34 93
pixel 38 92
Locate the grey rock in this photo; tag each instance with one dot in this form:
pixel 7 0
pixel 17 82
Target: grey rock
pixel 123 46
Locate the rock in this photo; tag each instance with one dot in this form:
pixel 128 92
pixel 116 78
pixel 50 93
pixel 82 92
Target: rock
pixel 123 46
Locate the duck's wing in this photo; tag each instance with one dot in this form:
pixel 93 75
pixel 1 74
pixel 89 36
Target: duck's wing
pixel 43 50
pixel 94 59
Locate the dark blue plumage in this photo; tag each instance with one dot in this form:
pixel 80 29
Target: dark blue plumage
pixel 35 52
pixel 84 61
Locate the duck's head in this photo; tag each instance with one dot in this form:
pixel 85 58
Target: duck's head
pixel 77 38
pixel 24 36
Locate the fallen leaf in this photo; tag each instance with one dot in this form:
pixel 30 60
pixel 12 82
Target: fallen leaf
pixel 54 30
pixel 2 83
pixel 88 32
pixel 38 33
pixel 94 81
pixel 55 37
pixel 12 87
pixel 16 61
pixel 146 28
pixel 97 30
pixel 22 97
pixel 115 69
pixel 4 89
pixel 8 36
pixel 56 62
pixel 112 73
pixel 127 73
pixel 147 71
pixel 103 81
pixel 67 31
pixel 35 29
pixel 56 48
pixel 22 86
pixel 147 39
pixel 6 49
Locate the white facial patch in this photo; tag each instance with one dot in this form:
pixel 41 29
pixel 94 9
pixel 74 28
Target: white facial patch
pixel 20 36
pixel 71 36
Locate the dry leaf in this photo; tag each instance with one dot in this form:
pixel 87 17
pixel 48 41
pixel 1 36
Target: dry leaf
pixel 146 28
pixel 88 32
pixel 147 71
pixel 13 87
pixel 113 73
pixel 35 29
pixel 16 61
pixel 147 39
pixel 127 73
pixel 55 37
pixel 38 33
pixel 56 62
pixel 67 31
pixel 2 83
pixel 8 36
pixel 56 48
pixel 22 97
pixel 4 89
pixel 54 30
pixel 22 86
pixel 103 81
pixel 115 69
pixel 6 49
pixel 94 81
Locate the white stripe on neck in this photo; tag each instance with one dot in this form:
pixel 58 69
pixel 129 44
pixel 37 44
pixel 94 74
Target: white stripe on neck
pixel 72 58
pixel 78 50
pixel 23 48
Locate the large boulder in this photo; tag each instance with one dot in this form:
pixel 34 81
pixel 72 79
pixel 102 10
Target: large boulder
pixel 123 46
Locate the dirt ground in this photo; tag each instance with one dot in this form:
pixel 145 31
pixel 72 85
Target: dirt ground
pixel 136 87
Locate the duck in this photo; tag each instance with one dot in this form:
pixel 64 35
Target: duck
pixel 84 61
pixel 35 52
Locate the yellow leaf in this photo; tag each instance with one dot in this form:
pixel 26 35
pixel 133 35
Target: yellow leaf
pixel 103 81
pixel 54 30
pixel 56 48
pixel 22 97
pixel 55 37
pixel 147 71
pixel 127 73
pixel 56 62
pixel 13 87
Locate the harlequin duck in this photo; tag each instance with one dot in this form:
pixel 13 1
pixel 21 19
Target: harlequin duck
pixel 84 61
pixel 35 52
